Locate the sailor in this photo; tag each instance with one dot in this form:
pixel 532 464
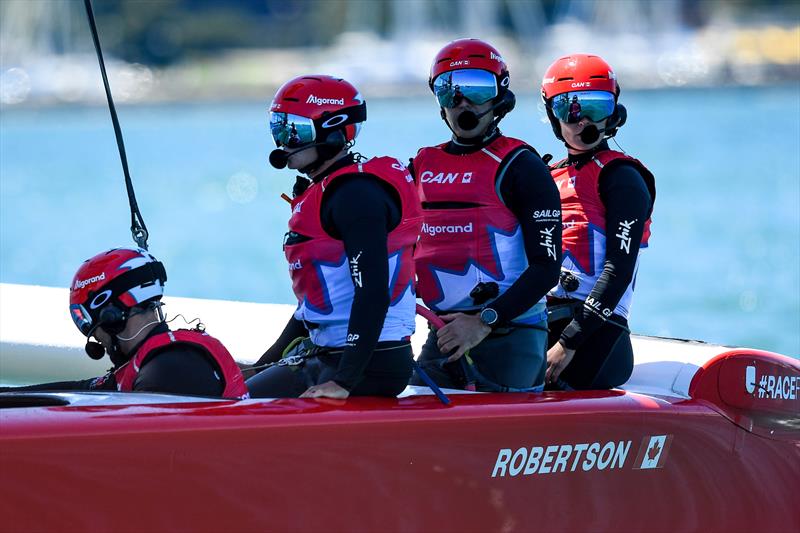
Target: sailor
pixel 490 246
pixel 116 297
pixel 349 247
pixel 607 200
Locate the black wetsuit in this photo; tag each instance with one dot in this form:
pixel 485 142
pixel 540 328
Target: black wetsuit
pixel 360 210
pixel 176 369
pixel 512 358
pixel 604 356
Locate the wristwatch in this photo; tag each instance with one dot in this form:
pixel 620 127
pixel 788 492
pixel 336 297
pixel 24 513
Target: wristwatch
pixel 488 316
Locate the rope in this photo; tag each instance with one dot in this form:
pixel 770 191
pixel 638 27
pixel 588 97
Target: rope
pixel 138 228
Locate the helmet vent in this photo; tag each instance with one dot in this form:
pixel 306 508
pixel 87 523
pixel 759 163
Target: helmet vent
pixel 566 79
pixel 597 77
pixel 291 99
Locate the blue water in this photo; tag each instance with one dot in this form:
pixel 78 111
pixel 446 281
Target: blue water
pixel 724 260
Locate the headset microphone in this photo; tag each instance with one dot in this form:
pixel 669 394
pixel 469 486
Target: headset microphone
pixel 590 134
pixel 279 158
pixel 94 350
pixel 469 120
pixel 335 141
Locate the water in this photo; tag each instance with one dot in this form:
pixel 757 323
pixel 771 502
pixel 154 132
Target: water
pixel 724 261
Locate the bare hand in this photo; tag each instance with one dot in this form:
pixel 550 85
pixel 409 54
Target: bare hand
pixel 461 333
pixel 558 358
pixel 329 389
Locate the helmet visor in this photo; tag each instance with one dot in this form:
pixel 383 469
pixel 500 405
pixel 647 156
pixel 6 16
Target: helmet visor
pixel 573 106
pixel 477 86
pixel 291 131
pixel 82 319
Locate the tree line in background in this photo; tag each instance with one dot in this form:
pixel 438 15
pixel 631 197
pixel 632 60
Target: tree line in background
pixel 162 32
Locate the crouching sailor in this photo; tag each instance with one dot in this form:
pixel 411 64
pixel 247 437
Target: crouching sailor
pixel 607 200
pixel 352 229
pixel 116 297
pixel 490 247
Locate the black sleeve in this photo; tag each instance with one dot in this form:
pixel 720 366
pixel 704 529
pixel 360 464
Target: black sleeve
pixel 106 382
pixel 361 211
pixel 180 369
pixel 294 328
pixel 528 189
pixel 628 203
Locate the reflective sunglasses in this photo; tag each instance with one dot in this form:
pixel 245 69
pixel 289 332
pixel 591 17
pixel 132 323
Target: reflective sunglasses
pixel 477 86
pixel 572 106
pixel 291 131
pixel 81 318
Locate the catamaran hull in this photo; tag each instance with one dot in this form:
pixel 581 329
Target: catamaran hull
pixel 488 462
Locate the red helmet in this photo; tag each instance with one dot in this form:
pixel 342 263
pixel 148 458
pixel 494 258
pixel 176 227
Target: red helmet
pixel 469 53
pixel 109 284
pixel 578 72
pixel 331 103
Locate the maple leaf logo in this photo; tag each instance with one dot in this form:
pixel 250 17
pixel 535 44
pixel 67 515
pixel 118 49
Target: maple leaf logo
pixel 653 452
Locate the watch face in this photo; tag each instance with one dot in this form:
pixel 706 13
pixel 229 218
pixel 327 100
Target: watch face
pixel 488 316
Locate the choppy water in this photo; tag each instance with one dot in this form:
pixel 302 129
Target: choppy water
pixel 724 261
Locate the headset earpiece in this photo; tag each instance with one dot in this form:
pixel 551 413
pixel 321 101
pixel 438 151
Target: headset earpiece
pixel 622 116
pixel 336 140
pixel 112 319
pixel 506 104
pixel 616 120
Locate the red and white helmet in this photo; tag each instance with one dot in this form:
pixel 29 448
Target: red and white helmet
pixel 109 284
pixel 332 104
pixel 469 54
pixel 583 72
pixel 588 78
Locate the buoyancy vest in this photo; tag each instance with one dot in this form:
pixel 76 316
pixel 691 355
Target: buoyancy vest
pixel 324 282
pixel 213 348
pixel 584 224
pixel 468 234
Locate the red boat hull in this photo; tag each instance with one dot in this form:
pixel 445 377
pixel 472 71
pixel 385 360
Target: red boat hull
pixel 409 464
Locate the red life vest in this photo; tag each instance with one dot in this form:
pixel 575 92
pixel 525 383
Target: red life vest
pixel 321 276
pixel 214 349
pixel 584 224
pixel 461 246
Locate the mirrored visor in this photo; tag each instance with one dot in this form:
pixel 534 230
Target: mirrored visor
pixel 572 106
pixel 291 131
pixel 81 318
pixel 477 86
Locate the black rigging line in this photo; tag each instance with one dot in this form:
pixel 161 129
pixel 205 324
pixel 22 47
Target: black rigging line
pixel 138 228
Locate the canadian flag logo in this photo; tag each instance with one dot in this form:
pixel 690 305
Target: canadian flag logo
pixel 750 379
pixel 653 452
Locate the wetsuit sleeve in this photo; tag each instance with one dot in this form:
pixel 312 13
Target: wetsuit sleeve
pixel 361 212
pixel 179 369
pixel 294 329
pixel 628 204
pixel 528 189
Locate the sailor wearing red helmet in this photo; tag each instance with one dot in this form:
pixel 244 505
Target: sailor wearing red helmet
pixel 352 227
pixel 490 246
pixel 116 297
pixel 607 200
